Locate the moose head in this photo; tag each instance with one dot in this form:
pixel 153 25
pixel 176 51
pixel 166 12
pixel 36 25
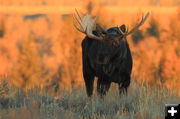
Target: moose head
pixel 111 43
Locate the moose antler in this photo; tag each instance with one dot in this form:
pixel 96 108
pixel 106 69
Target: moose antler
pixel 86 25
pixel 136 27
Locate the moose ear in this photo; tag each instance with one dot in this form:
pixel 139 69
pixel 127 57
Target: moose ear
pixel 123 28
pixel 100 29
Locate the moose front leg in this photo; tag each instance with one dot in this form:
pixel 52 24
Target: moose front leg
pixel 89 82
pixel 88 78
pixel 102 87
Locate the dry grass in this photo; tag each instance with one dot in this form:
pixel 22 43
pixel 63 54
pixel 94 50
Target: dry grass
pixel 142 102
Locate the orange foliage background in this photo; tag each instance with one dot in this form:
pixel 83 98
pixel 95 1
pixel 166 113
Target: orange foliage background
pixel 40 46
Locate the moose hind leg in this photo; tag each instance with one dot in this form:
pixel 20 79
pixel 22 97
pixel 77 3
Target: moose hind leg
pixel 124 85
pixel 122 90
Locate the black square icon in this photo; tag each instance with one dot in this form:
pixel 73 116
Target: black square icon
pixel 172 111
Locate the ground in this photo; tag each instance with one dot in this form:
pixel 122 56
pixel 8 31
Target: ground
pixel 142 102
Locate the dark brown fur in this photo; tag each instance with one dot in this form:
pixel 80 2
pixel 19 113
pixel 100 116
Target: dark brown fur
pixel 109 60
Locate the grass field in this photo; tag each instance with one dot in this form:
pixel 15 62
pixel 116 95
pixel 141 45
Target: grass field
pixel 142 102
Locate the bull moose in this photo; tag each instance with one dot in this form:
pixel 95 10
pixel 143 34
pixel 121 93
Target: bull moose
pixel 105 54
